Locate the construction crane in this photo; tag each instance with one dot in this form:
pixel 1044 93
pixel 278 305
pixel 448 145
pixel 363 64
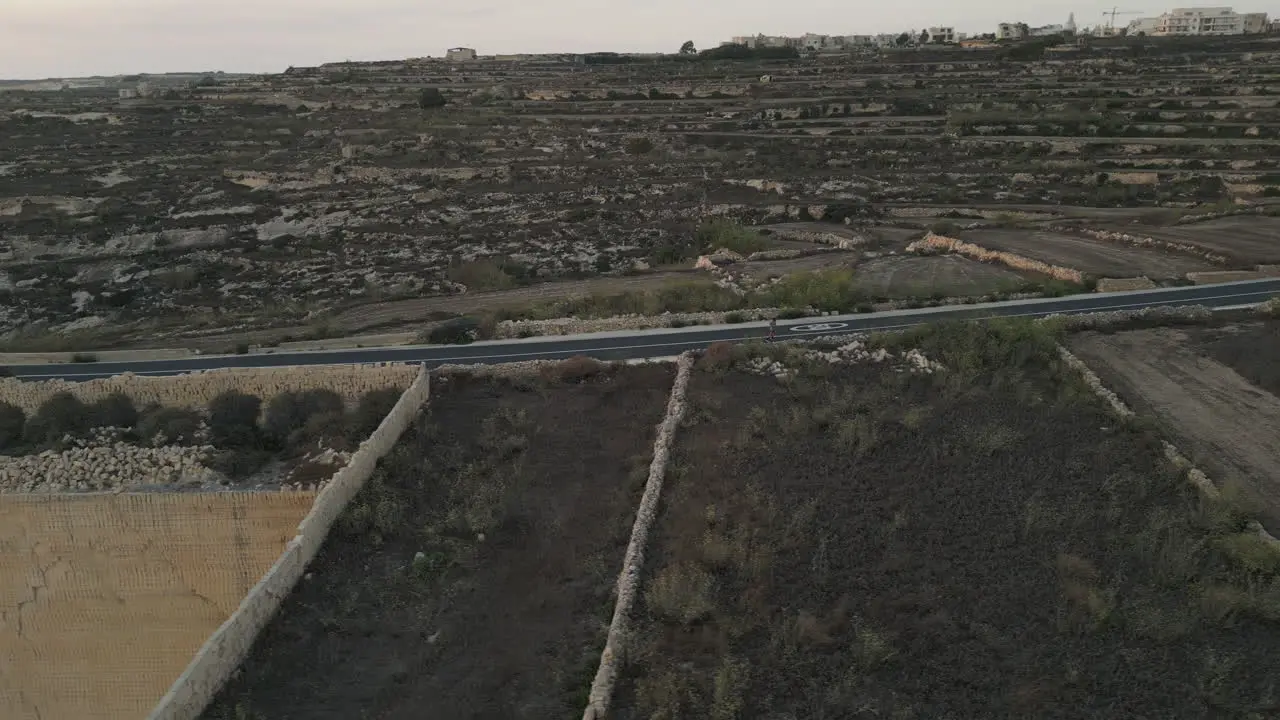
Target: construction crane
pixel 1113 12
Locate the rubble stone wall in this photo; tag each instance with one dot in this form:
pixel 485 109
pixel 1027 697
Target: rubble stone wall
pixel 943 243
pixel 633 563
pixel 105 597
pixel 223 652
pixel 195 390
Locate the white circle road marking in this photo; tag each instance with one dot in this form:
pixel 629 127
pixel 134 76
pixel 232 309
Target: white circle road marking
pixel 817 327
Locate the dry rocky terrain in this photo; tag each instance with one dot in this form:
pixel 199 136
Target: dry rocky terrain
pixel 238 211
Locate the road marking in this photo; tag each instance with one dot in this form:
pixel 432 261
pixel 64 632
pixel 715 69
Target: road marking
pixel 817 327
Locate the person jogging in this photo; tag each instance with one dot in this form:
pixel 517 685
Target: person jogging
pixel 773 330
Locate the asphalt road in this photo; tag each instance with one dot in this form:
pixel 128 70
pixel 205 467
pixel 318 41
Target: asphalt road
pixel 665 342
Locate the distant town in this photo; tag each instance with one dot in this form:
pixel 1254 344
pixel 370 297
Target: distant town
pixel 1176 22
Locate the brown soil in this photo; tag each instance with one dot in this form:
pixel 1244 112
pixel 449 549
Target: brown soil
pixel 1251 349
pixel 1246 239
pixel 1227 424
pixel 864 544
pixel 508 626
pixel 948 275
pixel 1096 257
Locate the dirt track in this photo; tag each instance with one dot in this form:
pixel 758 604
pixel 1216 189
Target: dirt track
pixel 1225 423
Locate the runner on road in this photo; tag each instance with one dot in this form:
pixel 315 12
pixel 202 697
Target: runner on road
pixel 773 329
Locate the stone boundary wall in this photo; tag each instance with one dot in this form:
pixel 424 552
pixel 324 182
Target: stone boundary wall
pixel 223 652
pixel 1142 241
pixel 629 579
pixel 195 390
pixel 935 242
pixel 1194 475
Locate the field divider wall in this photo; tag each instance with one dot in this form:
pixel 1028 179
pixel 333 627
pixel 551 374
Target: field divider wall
pixel 633 563
pixel 228 646
pixel 1194 475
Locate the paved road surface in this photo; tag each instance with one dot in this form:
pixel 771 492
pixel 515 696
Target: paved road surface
pixel 666 342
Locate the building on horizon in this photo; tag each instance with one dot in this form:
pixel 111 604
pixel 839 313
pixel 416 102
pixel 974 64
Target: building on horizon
pixel 1180 22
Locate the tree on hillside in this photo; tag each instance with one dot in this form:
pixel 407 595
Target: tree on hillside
pixel 431 98
pixel 688 49
pixel 903 39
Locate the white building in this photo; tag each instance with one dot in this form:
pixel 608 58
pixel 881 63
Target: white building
pixel 1047 30
pixel 1012 31
pixel 941 34
pixel 460 54
pixel 1201 21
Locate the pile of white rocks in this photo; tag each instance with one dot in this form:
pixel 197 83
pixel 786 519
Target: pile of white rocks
pixel 852 352
pixel 114 466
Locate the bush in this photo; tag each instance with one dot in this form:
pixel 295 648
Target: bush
pixel 458 331
pixel 715 234
pixel 12 422
pixel 574 370
pixel 289 412
pixel 372 408
pixel 480 275
pixel 116 410
pixel 638 146
pixel 62 414
pixel 233 418
pixel 430 98
pixel 171 425
pixel 823 289
pixel 84 358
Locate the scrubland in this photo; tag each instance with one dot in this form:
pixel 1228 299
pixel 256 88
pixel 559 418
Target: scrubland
pixel 472 576
pixel 943 522
pixel 241 212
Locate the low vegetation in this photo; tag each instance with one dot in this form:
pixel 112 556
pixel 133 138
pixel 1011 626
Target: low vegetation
pixel 472 576
pixel 246 433
pixel 984 541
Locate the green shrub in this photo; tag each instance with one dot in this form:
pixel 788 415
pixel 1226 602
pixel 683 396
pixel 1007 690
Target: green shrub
pixel 289 412
pixel 233 418
pixel 12 422
pixel 84 358
pixel 716 234
pixel 62 414
pixel 115 410
pixel 734 318
pixel 457 331
pixel 638 146
pixel 174 426
pixel 429 98
pixel 372 408
pixel 481 275
pixel 823 289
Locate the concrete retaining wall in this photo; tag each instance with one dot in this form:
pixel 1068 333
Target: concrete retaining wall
pixel 223 652
pixel 629 579
pixel 195 390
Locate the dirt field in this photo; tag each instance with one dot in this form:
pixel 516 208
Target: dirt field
pixel 1094 257
pixel 990 544
pixel 910 276
pixel 1248 240
pixel 1227 424
pixel 473 577
pixel 1251 349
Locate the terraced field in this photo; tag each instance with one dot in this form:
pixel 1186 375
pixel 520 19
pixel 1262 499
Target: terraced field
pixel 251 210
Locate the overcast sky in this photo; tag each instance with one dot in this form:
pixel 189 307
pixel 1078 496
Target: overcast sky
pixel 64 38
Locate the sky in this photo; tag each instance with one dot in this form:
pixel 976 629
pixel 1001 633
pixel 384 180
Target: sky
pixel 69 38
